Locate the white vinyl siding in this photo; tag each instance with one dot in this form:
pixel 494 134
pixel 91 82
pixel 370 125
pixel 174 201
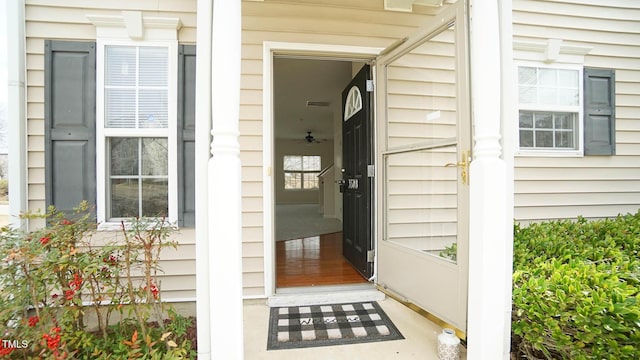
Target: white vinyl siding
pixel 351 22
pixel 591 186
pixel 67 20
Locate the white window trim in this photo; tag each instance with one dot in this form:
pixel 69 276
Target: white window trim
pixel 554 53
pixel 579 151
pixel 102 133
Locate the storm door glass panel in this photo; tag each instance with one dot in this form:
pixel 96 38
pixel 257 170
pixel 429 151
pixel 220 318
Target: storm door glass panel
pixel 421 177
pixel 422 210
pixel 421 94
pixel 138 174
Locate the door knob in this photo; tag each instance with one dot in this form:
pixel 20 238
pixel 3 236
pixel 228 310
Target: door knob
pixel 463 165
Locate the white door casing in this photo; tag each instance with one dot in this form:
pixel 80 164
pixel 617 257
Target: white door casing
pixel 310 51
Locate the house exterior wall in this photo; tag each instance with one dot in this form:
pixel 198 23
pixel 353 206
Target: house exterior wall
pixel 591 186
pixel 545 187
pixel 66 20
pixel 353 22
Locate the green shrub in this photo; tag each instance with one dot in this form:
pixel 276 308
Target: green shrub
pixel 52 278
pixel 576 289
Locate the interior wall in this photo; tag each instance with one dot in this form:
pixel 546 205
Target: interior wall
pixel 298 147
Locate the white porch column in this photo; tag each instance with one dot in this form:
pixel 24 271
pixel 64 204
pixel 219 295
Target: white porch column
pixel 489 244
pixel 202 154
pixel 225 233
pixel 16 113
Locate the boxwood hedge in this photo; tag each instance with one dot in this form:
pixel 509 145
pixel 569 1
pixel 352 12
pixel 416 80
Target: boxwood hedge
pixel 576 289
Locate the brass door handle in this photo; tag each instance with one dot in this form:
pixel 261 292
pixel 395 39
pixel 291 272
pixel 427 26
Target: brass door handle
pixel 463 165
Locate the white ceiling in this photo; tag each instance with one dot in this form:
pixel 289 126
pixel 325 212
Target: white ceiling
pixel 297 81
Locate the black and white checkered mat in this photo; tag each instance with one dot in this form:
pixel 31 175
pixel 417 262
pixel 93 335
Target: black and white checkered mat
pixel 322 325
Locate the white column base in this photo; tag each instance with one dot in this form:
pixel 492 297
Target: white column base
pixel 487 249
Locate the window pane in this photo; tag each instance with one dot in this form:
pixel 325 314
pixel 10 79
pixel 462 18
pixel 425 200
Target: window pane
pixel 526 119
pixel 153 111
pixel 564 139
pixel 526 75
pixel 547 77
pixel 292 181
pixel 124 156
pixel 544 139
pixel 528 95
pixel 120 108
pixel 526 138
pixel 153 66
pixel 311 163
pixel 568 78
pixel 155 195
pixel 311 181
pixel 563 120
pixel 120 66
pixel 154 156
pixel 292 162
pixel 548 96
pixel 124 198
pixel 568 97
pixel 544 121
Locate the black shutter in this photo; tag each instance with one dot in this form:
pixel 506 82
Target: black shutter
pixel 70 124
pixel 186 135
pixel 599 112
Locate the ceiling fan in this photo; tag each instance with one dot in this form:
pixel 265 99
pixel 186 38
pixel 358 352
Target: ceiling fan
pixel 310 139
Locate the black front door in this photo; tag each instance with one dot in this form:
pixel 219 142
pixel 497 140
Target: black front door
pixel 357 185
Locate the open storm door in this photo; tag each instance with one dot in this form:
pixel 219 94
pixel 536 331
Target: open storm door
pixel 424 120
pixel 356 185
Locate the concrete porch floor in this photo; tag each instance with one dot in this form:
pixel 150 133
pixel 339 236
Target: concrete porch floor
pixel 420 338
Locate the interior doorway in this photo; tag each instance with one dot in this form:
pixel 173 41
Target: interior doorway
pixel 307 144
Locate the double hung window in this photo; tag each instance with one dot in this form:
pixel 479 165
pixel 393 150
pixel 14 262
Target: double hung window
pixel 550 103
pixel 136 125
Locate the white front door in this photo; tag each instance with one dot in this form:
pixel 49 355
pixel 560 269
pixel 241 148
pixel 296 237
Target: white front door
pixel 423 123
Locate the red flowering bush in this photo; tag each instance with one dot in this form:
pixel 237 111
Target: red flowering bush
pixel 52 278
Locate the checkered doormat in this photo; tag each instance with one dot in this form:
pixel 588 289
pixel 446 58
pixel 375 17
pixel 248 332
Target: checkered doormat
pixel 322 325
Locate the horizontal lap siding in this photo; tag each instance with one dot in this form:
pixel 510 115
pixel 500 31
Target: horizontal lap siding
pixel 66 20
pixel 591 186
pixel 353 22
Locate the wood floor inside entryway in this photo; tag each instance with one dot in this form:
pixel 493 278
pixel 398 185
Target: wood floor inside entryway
pixel 314 261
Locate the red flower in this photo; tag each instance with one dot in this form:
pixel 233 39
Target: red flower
pixel 53 341
pixel 68 294
pixel 66 222
pixel 154 290
pixel 44 240
pixel 33 320
pixel 5 350
pixel 76 283
pixel 54 296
